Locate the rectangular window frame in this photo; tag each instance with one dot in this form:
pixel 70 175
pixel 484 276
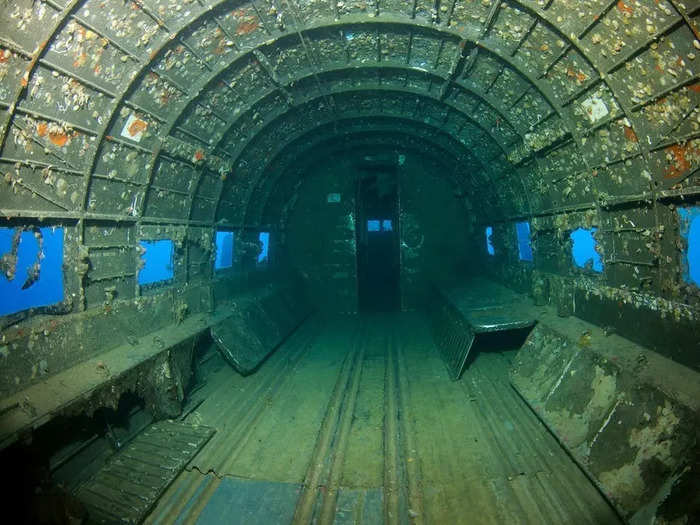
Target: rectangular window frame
pixel 263 258
pixel 490 248
pixel 142 264
pixel 593 271
pixel 224 232
pixel 57 301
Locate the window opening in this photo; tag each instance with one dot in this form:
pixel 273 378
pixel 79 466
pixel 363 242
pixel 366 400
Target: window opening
pixel 387 225
pixel 31 263
pixel 583 249
pixel 264 239
pixel 224 250
pixel 690 231
pixel 489 241
pixel 374 225
pixel 157 258
pixel 522 229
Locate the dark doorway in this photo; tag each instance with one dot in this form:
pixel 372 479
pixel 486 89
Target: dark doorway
pixel 377 237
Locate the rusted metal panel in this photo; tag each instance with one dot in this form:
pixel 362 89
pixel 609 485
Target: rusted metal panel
pixel 633 439
pixel 129 484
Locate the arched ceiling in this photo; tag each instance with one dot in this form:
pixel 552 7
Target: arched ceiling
pixel 189 111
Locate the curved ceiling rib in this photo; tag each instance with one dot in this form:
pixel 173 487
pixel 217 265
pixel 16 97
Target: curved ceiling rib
pixel 383 105
pixel 567 98
pixel 293 158
pixel 266 204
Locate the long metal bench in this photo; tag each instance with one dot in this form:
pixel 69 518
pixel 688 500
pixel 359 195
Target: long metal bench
pixel 459 314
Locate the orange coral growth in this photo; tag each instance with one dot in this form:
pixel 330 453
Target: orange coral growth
pixel 25 79
pixel 581 77
pixel 694 87
pixel 137 126
pixel 624 9
pixel 630 134
pixel 5 55
pixel 198 155
pixel 80 60
pixel 42 129
pixel 247 27
pixel 680 163
pixel 58 138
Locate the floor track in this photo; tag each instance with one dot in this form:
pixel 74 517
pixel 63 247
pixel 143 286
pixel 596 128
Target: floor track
pixel 354 420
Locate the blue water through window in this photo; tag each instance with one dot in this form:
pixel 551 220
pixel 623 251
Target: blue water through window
pixel 387 225
pixel 690 231
pixel 158 261
pixel 264 238
pixel 35 275
pixel 489 242
pixel 522 229
pixel 224 250
pixel 583 249
pixel 374 225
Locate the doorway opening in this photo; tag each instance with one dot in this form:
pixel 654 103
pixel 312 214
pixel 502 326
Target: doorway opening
pixel 377 233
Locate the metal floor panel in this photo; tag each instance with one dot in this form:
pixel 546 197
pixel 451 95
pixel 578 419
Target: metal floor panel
pixel 125 489
pixel 353 420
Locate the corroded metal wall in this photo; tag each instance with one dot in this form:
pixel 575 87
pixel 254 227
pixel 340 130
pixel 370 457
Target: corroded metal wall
pixel 126 118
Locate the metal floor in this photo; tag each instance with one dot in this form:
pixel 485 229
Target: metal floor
pixel 354 420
